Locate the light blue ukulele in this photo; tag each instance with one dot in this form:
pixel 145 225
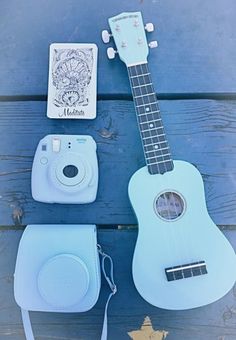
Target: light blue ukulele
pixel 181 259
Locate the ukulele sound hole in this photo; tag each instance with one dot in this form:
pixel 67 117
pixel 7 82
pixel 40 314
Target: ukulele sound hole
pixel 169 205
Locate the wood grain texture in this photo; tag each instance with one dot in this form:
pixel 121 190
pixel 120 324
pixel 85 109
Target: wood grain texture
pixel 127 309
pixel 197 43
pixel 200 131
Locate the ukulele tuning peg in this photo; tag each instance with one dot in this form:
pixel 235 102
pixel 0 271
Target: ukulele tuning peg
pixel 149 27
pixel 106 36
pixel 111 53
pixel 153 44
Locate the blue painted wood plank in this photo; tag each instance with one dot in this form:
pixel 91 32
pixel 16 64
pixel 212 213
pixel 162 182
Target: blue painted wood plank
pixel 200 131
pixel 127 309
pixel 197 39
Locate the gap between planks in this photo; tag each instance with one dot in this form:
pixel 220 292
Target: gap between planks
pixel 110 227
pixel 128 97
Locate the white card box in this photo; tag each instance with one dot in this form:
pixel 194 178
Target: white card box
pixel 72 81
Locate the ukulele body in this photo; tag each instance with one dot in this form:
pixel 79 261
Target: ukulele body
pixel 175 235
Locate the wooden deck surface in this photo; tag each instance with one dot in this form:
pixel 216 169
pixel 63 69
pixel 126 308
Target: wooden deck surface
pixel 194 72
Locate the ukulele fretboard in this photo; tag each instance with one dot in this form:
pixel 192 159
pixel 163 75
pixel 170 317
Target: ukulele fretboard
pixel 155 145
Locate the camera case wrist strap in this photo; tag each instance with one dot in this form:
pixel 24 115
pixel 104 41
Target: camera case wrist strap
pixel 62 273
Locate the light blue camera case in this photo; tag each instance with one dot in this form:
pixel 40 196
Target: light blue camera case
pixel 57 268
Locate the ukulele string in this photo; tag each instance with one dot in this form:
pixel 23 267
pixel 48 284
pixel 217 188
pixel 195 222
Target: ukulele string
pixel 150 112
pixel 167 199
pixel 144 70
pixel 163 161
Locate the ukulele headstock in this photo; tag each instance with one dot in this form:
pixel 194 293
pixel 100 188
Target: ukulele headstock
pixel 128 32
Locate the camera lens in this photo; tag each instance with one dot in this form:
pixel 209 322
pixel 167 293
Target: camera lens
pixel 70 171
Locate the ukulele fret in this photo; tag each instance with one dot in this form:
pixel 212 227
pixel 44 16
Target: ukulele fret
pixel 153 153
pixel 159 162
pixel 151 137
pixel 153 133
pixel 138 75
pixel 147 94
pixel 158 156
pixel 153 129
pixel 151 121
pixel 145 104
pixel 153 146
pixel 154 140
pixel 148 113
pixel 135 87
pixel 145 115
pixel 142 90
pixel 167 147
pixel 148 109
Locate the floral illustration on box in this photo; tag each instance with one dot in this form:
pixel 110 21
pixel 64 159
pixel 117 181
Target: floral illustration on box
pixel 71 76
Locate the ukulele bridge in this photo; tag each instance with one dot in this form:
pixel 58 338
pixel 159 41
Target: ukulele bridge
pixel 186 270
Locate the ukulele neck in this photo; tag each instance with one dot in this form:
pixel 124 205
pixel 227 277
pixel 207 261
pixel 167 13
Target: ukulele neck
pixel 155 145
